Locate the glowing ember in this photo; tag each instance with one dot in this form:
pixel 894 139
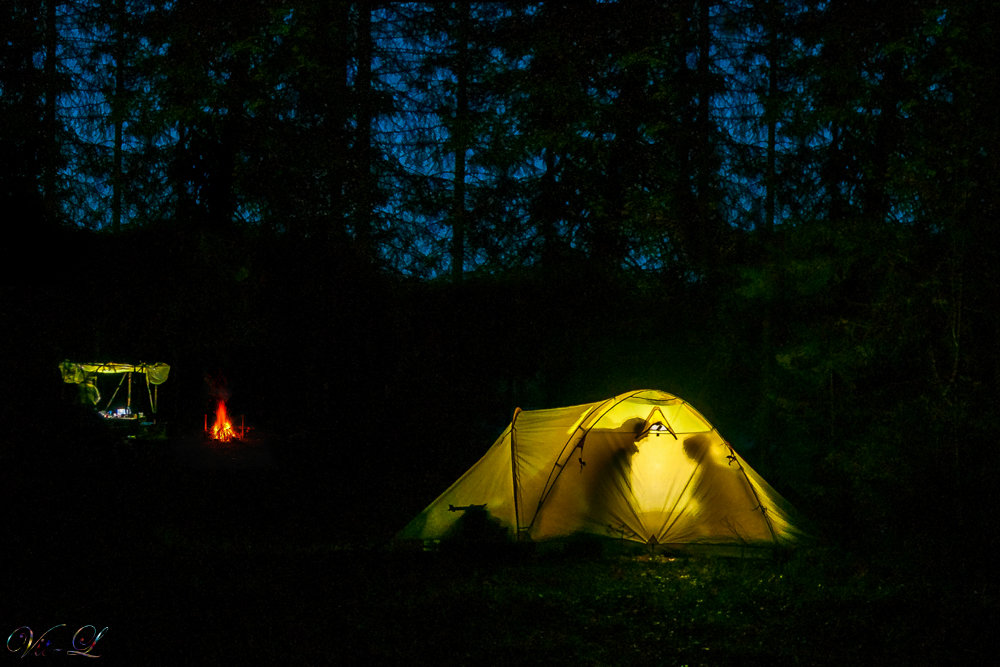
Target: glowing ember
pixel 222 429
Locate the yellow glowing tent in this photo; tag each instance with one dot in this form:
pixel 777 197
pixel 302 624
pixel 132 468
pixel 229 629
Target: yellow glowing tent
pixel 642 466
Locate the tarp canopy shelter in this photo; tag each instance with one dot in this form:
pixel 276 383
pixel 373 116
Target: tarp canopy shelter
pixel 86 374
pixel 642 466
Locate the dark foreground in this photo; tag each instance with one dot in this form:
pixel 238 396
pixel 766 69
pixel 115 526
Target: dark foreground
pixel 224 556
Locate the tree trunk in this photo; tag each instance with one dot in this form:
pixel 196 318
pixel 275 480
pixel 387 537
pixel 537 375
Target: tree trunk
pixel 460 138
pixel 118 118
pixel 771 114
pixel 364 206
pixel 50 146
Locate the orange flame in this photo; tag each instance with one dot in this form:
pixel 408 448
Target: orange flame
pixel 222 429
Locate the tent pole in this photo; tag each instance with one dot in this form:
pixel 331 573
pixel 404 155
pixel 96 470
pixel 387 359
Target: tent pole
pixel 756 497
pixel 513 475
pixel 592 416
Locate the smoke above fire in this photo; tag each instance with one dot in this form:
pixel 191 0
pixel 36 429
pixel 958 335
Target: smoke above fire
pixel 218 387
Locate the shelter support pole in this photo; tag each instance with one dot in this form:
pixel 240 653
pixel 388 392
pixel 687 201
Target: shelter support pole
pixel 111 400
pixel 152 401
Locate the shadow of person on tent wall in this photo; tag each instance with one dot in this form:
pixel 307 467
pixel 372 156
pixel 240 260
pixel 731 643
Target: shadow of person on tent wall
pixel 723 503
pixel 589 479
pixel 727 506
pixel 609 462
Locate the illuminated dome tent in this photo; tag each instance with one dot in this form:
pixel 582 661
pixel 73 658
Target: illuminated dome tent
pixel 643 466
pixel 120 403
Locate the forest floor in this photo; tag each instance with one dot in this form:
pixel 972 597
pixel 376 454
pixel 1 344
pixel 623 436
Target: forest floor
pixel 187 560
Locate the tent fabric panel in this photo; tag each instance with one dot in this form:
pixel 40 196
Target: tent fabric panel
pixel 541 438
pixel 660 475
pixel 156 373
pixel 652 395
pixel 75 373
pixel 779 511
pixel 488 482
pixel 661 489
pixel 685 419
pixel 647 490
pixel 72 373
pixel 681 416
pixel 595 487
pixel 723 506
pixel 627 408
pixel 589 488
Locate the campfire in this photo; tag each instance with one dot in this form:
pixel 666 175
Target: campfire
pixel 223 430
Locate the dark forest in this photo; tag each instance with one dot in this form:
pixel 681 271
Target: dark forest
pixel 380 227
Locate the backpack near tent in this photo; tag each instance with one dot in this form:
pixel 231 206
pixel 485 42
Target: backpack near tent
pixel 643 466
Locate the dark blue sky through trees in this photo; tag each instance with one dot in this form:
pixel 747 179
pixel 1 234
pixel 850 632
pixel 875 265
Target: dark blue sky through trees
pixel 661 111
